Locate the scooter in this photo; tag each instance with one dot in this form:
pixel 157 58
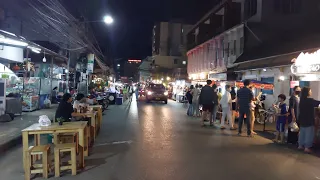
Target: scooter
pixel 102 100
pixel 259 111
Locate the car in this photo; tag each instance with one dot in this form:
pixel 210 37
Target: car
pixel 156 92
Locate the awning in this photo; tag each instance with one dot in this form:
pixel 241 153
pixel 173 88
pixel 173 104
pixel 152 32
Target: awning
pixel 273 61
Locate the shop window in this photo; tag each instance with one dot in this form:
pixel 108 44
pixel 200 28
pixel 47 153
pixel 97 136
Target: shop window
pixel 287 6
pixel 267 80
pixel 251 8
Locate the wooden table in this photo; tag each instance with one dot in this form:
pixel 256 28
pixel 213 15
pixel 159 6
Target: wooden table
pixel 94 122
pixel 67 127
pixel 99 115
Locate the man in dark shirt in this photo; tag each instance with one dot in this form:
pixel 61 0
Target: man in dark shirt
pixel 293 114
pixel 206 99
pixel 215 104
pixel 65 109
pixel 245 96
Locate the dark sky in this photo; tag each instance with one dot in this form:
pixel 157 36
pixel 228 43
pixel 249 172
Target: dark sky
pixel 130 35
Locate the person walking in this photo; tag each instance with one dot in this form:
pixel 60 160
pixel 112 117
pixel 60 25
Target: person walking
pixel 195 101
pixel 206 99
pixel 215 104
pixel 226 105
pixel 306 119
pixel 245 97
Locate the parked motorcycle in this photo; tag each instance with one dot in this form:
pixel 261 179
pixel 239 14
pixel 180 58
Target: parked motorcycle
pixel 102 100
pixel 259 111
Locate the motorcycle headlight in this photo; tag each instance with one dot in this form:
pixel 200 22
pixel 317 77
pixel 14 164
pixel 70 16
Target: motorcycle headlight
pixel 166 93
pixel 149 92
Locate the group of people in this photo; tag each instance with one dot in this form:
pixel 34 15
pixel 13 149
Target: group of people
pixel 206 101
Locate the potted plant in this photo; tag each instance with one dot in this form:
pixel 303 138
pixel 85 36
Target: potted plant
pixel 60 121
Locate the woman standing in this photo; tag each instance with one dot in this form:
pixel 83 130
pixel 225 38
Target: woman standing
pixel 195 101
pixel 189 98
pixel 306 119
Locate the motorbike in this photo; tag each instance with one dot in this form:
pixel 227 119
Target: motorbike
pixel 102 100
pixel 259 111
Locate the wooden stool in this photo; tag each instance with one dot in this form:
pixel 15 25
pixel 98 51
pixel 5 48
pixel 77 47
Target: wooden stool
pixel 64 138
pixel 70 147
pixel 31 168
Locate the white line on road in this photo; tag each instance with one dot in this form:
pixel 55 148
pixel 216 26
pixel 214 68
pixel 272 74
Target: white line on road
pixel 113 143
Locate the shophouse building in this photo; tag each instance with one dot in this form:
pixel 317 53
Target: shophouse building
pixel 254 39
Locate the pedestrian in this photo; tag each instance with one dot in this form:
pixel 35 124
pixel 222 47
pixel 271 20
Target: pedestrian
pixel 215 104
pixel 281 118
pixel 245 97
pixel 293 114
pixel 195 101
pixel 206 100
pixel 306 119
pixel 137 92
pixel 226 105
pixel 189 98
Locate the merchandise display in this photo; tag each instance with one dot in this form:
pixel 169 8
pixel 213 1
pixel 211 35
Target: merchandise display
pixel 30 93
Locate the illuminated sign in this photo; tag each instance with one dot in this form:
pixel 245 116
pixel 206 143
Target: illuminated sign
pixel 305 69
pixel 306 63
pixel 134 60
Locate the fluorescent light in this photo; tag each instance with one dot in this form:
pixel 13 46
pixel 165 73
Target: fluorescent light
pixel 8 33
pixel 12 42
pixel 35 50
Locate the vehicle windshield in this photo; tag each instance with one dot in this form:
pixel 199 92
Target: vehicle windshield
pixel 157 86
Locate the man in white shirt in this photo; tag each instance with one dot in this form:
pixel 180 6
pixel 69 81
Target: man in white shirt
pixel 226 104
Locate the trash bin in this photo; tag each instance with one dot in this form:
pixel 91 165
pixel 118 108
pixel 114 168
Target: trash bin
pixel 119 100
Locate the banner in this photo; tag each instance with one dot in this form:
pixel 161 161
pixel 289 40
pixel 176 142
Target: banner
pixel 90 64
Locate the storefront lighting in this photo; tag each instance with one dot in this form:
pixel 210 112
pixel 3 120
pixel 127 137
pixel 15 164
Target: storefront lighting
pixel 264 70
pixel 202 76
pixel 161 79
pixel 282 78
pixel 168 78
pixel 12 42
pixel 34 49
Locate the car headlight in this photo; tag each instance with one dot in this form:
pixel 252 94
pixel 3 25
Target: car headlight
pixel 166 93
pixel 149 92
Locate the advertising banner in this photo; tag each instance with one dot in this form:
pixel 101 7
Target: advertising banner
pixel 90 64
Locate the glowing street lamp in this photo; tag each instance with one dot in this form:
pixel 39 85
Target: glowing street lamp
pixel 108 19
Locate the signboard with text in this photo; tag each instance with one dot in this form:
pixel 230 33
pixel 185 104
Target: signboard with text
pixel 305 69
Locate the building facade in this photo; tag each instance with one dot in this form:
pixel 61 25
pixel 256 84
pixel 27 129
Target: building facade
pixel 253 39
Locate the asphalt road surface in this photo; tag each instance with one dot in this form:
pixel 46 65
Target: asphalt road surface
pixel 159 141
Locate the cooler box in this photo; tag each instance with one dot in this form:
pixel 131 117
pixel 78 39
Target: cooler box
pixel 119 100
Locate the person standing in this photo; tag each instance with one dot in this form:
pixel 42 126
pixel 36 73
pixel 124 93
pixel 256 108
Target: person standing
pixel 306 119
pixel 189 98
pixel 215 104
pixel 293 114
pixel 206 99
pixel 245 97
pixel 281 118
pixel 195 100
pixel 226 105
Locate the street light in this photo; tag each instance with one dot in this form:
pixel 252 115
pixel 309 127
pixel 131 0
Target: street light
pixel 108 19
pixel 118 65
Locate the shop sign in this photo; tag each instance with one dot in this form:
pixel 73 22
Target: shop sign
pixel 306 63
pixel 294 83
pixel 90 64
pixel 220 77
pixel 305 69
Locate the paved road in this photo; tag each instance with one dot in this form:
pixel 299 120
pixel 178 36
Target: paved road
pixel 159 142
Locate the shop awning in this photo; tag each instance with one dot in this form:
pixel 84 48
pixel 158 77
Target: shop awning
pixel 239 84
pixel 272 61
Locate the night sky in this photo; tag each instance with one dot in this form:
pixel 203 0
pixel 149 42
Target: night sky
pixel 131 34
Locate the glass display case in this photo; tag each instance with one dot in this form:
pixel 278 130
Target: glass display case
pixel 30 93
pixel 45 86
pixel 14 85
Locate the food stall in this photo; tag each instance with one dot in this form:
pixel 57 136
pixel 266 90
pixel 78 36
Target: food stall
pixel 30 93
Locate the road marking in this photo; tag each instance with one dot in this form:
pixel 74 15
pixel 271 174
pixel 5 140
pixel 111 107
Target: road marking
pixel 113 143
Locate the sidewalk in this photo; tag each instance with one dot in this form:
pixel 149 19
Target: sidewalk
pixel 10 132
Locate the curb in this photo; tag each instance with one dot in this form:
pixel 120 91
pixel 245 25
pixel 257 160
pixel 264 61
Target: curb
pixel 14 142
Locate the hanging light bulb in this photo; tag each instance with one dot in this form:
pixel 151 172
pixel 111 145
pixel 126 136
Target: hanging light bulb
pixel 44 57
